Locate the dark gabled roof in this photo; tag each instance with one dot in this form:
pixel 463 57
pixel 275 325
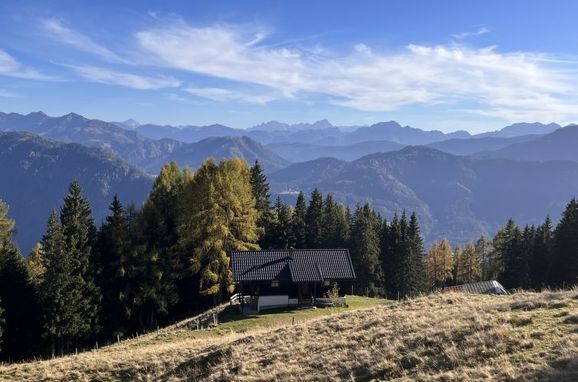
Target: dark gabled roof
pixel 297 265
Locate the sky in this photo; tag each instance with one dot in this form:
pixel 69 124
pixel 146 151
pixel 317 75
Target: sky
pixel 446 65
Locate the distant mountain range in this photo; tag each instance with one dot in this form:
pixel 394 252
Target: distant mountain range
pixel 36 173
pixel 460 185
pixel 137 149
pixel 455 197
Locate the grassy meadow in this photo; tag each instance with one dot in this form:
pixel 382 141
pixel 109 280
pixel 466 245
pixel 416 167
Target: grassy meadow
pixel 445 337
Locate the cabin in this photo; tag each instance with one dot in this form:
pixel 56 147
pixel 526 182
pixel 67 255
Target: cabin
pixel 281 278
pixel 482 287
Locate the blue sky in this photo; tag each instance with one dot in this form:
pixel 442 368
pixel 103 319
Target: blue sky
pixel 444 65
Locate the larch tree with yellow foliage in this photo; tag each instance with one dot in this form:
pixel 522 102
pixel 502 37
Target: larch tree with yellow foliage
pixel 219 216
pixel 439 264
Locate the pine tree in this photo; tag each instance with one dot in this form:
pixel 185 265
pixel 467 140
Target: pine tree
pixel 299 222
pixel 314 220
pixel 223 218
pixel 262 195
pixel 565 259
pixel 439 264
pixel 365 251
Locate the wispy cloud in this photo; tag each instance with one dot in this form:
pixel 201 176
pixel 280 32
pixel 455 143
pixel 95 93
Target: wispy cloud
pixel 129 80
pixel 10 67
pixel 59 32
pixel 480 31
pixel 511 85
pixel 221 95
pixel 9 94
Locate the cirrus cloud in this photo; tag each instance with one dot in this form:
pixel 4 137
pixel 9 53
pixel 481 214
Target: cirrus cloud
pixel 508 85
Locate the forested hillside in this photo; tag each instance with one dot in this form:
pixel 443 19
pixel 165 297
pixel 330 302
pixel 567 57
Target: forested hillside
pixel 144 267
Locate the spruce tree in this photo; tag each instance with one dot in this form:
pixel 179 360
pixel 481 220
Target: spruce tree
pixel 282 228
pixel 541 255
pixel 416 271
pixel 365 252
pixel 299 222
pixel 262 195
pixel 508 249
pixel 335 224
pixel 18 296
pixel 70 296
pixel 114 246
pixel 58 293
pixel 565 259
pixel 314 220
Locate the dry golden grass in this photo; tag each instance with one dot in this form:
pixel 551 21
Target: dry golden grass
pixel 450 337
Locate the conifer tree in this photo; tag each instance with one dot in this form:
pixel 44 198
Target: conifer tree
pixel 508 249
pixel 157 267
pixel 57 292
pixel 35 266
pixel 79 235
pixel 114 246
pixel 565 258
pixel 365 251
pixel 335 224
pixel 299 222
pixel 314 220
pixel 18 296
pixel 469 267
pixel 439 264
pixel 2 322
pixel 223 218
pixel 485 250
pixel 282 229
pixel 262 195
pixel 541 255
pixel 416 271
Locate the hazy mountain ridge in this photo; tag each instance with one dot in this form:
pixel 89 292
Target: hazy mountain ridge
pixel 130 145
pixel 455 197
pixel 38 172
pixel 561 144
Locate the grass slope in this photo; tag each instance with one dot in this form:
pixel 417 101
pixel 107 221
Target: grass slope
pixel 526 336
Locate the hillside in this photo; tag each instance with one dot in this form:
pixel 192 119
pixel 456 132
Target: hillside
pixel 193 154
pixel 526 336
pixel 558 145
pixel 37 172
pixel 455 197
pixel 73 128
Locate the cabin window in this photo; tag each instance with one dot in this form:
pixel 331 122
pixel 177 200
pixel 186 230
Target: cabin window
pixel 275 283
pixel 326 283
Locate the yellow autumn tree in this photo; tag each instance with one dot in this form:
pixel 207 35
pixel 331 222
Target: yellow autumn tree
pixel 468 266
pixel 219 216
pixel 439 263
